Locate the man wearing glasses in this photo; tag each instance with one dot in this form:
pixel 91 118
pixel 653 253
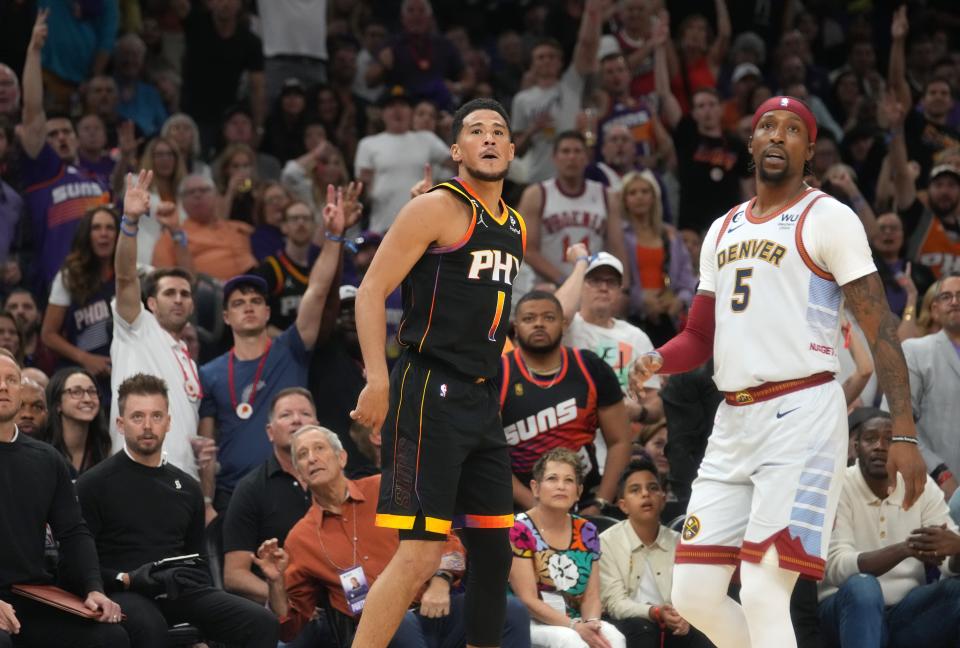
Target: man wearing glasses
pixel 286 271
pixel 934 364
pixel 205 242
pixel 597 283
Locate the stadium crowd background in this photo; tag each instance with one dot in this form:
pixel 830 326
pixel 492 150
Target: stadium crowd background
pixel 630 120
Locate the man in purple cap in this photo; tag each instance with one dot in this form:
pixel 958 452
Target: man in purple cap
pixel 239 385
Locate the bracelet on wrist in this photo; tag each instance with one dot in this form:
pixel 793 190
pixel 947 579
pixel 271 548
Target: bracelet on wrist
pixel 445 575
pixel 348 243
pixel 904 438
pixel 125 223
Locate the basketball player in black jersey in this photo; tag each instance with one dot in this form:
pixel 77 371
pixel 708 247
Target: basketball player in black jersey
pixel 456 249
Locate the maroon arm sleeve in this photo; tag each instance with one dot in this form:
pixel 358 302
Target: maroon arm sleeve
pixel 694 344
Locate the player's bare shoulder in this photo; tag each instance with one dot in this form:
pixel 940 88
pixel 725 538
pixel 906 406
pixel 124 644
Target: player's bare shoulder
pixel 437 214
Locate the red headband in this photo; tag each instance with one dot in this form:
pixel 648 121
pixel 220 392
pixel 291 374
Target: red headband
pixel 790 104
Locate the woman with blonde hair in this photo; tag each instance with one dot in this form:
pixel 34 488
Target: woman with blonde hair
pixel 662 280
pixel 163 157
pixel 183 131
pixel 308 175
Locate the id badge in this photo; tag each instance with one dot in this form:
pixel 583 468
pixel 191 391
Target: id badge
pixel 355 588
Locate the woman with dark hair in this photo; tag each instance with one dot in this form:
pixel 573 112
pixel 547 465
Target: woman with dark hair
pixel 339 121
pixel 76 425
pixel 78 323
pixel 11 336
pixel 696 60
pixel 273 198
pixel 235 173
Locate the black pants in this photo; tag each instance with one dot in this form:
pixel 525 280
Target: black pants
pixel 641 633
pixel 42 626
pixel 219 616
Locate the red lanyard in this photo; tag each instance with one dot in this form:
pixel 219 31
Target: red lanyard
pixel 256 376
pixel 193 371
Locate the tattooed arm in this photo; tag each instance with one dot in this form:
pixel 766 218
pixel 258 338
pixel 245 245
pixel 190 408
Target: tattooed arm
pixel 867 301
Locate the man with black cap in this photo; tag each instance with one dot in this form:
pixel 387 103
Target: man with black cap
pixel 239 385
pixel 875 592
pixel 933 232
pixel 391 162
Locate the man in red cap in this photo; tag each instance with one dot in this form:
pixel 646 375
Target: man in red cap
pixel 774 274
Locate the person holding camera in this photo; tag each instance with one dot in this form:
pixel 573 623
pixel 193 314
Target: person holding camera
pixel 133 537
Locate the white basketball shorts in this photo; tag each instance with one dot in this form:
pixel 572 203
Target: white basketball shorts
pixel 771 475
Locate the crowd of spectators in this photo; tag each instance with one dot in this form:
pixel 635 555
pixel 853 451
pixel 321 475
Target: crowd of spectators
pixel 192 190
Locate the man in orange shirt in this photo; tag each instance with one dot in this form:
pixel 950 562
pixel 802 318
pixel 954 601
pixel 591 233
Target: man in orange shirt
pixel 204 243
pixel 336 547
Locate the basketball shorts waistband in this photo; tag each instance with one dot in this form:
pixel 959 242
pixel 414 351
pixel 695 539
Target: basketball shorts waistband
pixel 770 390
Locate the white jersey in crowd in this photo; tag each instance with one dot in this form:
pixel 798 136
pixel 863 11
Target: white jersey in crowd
pixel 777 284
pixel 567 219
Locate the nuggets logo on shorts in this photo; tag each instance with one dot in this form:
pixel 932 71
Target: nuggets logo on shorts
pixel 443 390
pixel 691 527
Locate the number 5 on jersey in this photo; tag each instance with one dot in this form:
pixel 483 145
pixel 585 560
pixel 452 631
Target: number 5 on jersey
pixel 741 290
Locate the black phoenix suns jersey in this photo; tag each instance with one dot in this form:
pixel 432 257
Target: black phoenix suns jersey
pixel 287 281
pixel 540 413
pixel 456 299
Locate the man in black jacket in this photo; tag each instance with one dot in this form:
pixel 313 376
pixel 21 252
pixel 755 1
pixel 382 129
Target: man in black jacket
pixel 36 489
pixel 142 510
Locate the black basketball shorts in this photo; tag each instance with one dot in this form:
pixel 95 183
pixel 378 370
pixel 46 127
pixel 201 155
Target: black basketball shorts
pixel 445 458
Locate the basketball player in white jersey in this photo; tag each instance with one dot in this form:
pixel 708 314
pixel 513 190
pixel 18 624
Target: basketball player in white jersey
pixel 774 274
pixel 569 209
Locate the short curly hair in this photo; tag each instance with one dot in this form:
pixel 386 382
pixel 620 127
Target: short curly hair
pixel 558 455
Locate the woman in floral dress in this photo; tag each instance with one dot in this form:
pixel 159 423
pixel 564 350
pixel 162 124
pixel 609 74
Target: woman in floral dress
pixel 554 554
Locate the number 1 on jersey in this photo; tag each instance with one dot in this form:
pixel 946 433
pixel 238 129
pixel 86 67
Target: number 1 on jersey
pixel 501 297
pixel 741 291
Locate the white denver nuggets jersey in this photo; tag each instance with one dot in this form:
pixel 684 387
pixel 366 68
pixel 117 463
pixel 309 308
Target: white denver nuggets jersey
pixel 777 284
pixel 568 219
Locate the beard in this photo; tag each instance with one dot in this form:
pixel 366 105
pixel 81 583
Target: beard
pixel 541 348
pixel 943 206
pixel 485 176
pixel 773 177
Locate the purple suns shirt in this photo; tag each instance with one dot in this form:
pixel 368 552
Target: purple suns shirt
pixel 57 197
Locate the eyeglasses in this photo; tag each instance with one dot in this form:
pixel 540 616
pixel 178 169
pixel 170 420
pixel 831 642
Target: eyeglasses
pixel 597 282
pixel 76 393
pixel 947 297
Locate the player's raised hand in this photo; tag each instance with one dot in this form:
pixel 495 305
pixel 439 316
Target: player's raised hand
pixel 904 458
pixel 423 186
pixel 646 365
pixel 136 200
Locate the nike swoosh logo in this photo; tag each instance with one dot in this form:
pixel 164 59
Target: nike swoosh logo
pixel 782 414
pixel 735 227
